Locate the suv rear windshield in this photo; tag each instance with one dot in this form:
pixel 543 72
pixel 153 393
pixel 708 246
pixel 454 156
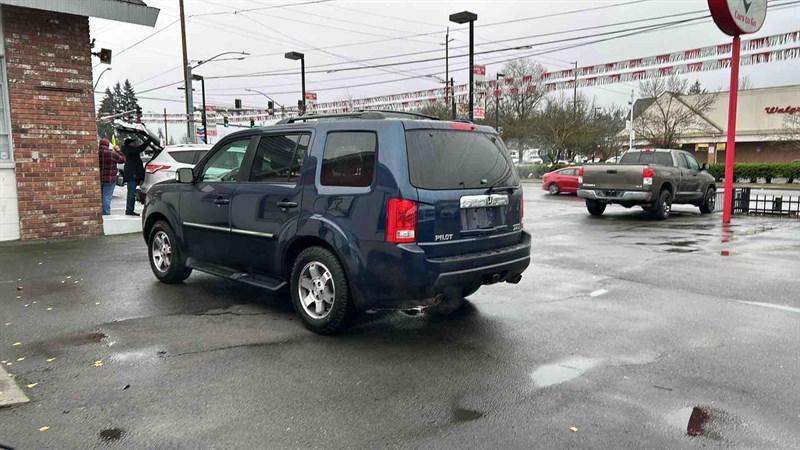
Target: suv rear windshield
pixel 445 159
pixel 657 158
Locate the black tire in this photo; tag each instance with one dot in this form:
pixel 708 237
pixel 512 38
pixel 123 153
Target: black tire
pixel 663 208
pixel 595 207
pixel 553 189
pixel 709 202
pixel 334 317
pixel 162 241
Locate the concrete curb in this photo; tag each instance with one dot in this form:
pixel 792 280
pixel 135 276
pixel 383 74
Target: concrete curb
pixel 10 393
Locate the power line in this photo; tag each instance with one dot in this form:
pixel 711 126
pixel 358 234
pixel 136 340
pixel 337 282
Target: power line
pixel 141 40
pixel 240 11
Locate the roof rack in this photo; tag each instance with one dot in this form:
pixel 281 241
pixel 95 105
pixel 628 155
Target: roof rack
pixel 361 114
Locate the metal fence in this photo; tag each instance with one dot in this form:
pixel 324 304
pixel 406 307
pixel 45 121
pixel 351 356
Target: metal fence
pixel 745 201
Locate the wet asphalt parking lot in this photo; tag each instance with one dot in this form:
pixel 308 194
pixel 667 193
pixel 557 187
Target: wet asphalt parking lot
pixel 623 331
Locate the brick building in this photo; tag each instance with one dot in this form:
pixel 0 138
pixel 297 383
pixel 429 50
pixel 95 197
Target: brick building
pixel 49 177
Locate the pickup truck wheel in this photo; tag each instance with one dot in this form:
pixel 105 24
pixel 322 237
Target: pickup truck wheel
pixel 595 207
pixel 709 201
pixel 166 258
pixel 663 208
pixel 320 292
pixel 553 189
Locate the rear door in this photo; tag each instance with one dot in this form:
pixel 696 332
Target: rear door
pixel 265 206
pixel 691 179
pixel 468 190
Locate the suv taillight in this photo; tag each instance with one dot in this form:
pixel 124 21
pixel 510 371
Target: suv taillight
pixel 580 175
pixel 153 168
pixel 401 221
pixel 647 176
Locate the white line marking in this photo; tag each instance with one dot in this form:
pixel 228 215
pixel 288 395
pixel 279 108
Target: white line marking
pixel 598 293
pixel 770 305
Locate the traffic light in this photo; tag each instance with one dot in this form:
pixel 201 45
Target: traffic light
pixel 252 123
pixel 225 121
pixel 271 107
pixel 138 113
pixel 237 103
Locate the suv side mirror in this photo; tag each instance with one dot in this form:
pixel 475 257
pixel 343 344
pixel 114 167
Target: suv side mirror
pixel 185 175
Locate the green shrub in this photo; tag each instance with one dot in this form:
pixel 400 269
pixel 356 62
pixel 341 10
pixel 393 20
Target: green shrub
pixel 752 172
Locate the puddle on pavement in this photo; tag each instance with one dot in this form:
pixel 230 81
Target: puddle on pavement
pixel 552 374
pixel 59 343
pixel 466 415
pixel 695 421
pixel 112 434
pixel 139 355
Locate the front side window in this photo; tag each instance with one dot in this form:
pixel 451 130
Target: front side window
pixel 349 158
pixel 225 164
pixel 279 157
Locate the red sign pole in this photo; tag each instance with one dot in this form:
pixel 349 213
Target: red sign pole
pixel 730 146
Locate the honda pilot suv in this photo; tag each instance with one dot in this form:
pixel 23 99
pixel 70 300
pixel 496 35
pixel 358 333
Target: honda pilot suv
pixel 371 210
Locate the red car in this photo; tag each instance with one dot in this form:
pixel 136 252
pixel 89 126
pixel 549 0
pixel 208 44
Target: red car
pixel 561 180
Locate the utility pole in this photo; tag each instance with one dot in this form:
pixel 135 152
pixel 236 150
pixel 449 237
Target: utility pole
pixel 575 93
pixel 631 131
pixel 453 96
pixel 497 92
pixel 446 66
pixel 166 133
pixel 187 79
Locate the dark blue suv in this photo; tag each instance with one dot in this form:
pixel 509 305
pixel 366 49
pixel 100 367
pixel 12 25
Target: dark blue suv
pixel 357 211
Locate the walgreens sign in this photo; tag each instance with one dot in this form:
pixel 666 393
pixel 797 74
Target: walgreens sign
pixel 782 109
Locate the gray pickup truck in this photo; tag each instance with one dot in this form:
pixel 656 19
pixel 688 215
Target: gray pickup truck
pixel 651 178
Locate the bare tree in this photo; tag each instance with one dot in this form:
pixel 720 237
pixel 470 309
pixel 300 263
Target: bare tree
pixel 523 89
pixel 438 109
pixel 559 127
pixel 673 112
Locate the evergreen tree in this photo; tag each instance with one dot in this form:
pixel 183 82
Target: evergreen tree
pixel 129 101
pixel 696 88
pixel 118 99
pixel 105 128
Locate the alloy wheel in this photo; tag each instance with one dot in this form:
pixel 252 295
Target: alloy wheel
pixel 161 251
pixel 316 290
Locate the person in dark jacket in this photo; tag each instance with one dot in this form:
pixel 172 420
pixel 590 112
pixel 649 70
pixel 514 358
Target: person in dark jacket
pixel 134 171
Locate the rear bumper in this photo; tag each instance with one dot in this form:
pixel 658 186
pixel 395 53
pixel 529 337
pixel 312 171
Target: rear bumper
pixel 412 279
pixel 617 196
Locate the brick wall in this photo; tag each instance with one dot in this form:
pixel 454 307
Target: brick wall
pixel 52 112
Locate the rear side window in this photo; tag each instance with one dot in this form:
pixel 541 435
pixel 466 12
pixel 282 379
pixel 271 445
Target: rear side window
pixel 279 157
pixel 349 158
pixel 188 157
pixel 451 159
pixel 655 158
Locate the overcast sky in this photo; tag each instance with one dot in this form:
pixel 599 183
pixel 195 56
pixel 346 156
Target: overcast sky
pixel 320 29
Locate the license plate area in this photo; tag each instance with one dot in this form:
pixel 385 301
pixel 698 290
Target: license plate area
pixel 479 212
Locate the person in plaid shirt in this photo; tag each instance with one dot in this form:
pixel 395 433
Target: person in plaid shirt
pixel 108 172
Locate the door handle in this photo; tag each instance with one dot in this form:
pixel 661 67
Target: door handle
pixel 220 201
pixel 287 204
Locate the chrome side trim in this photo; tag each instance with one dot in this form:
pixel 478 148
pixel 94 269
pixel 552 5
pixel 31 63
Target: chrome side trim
pixel 252 233
pixel 205 227
pixel 482 201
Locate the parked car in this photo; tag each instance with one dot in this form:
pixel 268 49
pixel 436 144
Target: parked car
pixel 165 164
pixel 561 181
pixel 349 212
pixel 652 178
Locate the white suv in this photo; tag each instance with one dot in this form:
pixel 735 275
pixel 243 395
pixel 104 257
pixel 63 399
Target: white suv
pixel 166 163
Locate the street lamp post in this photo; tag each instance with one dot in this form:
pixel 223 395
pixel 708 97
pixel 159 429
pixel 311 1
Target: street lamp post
pixel 295 56
pixel 255 91
pixel 203 90
pixel 497 100
pixel 462 18
pixel 100 76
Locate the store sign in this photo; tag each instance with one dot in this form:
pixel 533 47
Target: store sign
pixel 311 96
pixel 479 113
pixel 782 110
pixel 735 17
pixel 479 73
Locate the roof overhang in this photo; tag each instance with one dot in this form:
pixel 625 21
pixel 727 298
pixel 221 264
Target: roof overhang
pixel 119 10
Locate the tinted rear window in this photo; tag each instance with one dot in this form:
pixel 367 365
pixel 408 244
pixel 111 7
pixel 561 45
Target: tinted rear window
pixel 657 158
pixel 445 159
pixel 188 157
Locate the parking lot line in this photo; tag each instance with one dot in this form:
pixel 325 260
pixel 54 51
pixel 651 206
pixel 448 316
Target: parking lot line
pixel 773 306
